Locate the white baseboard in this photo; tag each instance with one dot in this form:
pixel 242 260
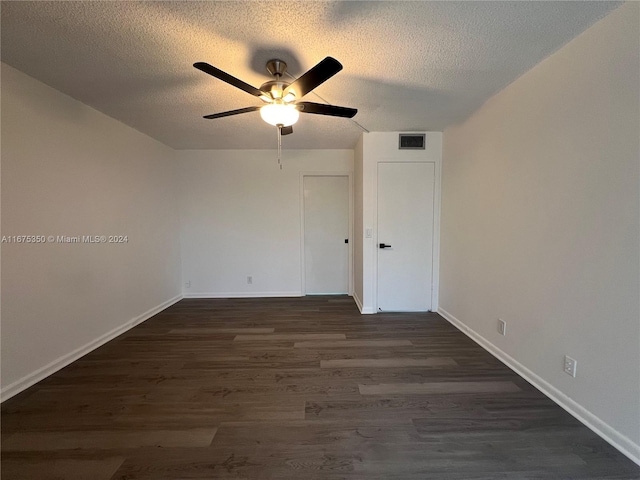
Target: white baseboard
pixel 242 294
pixel 61 362
pixel 363 310
pixel 618 440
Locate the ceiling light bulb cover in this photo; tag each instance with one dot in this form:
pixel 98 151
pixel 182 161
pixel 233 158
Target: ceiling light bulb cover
pixel 278 114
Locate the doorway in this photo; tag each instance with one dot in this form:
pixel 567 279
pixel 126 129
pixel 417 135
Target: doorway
pixel 326 234
pixel 405 235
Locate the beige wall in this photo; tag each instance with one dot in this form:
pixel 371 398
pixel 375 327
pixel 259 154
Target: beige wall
pixel 540 225
pixel 70 170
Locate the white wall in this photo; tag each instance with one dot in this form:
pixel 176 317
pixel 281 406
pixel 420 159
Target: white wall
pixel 70 170
pixel 383 147
pixel 240 217
pixel 540 225
pixel 358 227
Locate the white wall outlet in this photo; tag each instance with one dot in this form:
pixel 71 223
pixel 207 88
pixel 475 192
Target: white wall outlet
pixel 570 365
pixel 250 280
pixel 502 327
pixel 187 284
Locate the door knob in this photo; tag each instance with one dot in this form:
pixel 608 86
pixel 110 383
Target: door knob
pixel 382 245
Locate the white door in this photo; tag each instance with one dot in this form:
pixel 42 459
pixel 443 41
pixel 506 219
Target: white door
pixel 405 236
pixel 326 231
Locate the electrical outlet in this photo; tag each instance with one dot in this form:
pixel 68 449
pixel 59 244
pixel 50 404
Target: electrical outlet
pixel 502 327
pixel 187 284
pixel 250 280
pixel 570 365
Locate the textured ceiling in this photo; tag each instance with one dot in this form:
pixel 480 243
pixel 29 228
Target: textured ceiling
pixel 411 66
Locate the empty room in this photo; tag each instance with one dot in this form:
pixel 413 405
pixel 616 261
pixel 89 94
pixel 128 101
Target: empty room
pixel 369 240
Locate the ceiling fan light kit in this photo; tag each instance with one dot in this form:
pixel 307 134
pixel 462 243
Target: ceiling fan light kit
pixel 280 114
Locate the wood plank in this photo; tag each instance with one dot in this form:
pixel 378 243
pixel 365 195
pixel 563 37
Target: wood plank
pixel 387 362
pixel 347 433
pixel 353 343
pixel 48 441
pixel 58 469
pixel 438 388
pixel 290 337
pixel 226 331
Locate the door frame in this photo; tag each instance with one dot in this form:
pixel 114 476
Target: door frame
pixel 349 176
pixel 435 253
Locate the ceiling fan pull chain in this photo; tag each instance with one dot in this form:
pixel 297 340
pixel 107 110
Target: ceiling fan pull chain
pixel 279 128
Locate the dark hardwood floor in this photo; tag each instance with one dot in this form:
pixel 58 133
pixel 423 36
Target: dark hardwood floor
pixel 302 388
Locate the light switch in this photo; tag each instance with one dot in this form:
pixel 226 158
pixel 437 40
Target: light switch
pixel 368 233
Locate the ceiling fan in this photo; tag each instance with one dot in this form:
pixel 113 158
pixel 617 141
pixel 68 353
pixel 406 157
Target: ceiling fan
pixel 282 107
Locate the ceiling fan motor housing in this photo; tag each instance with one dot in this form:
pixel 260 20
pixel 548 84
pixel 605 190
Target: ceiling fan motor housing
pixel 275 88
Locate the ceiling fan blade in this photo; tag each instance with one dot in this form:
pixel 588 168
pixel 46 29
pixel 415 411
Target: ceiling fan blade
pixel 321 109
pixel 232 112
pixel 319 74
pixel 225 77
pixel 286 130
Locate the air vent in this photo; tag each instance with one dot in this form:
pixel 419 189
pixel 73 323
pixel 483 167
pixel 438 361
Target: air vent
pixel 412 141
